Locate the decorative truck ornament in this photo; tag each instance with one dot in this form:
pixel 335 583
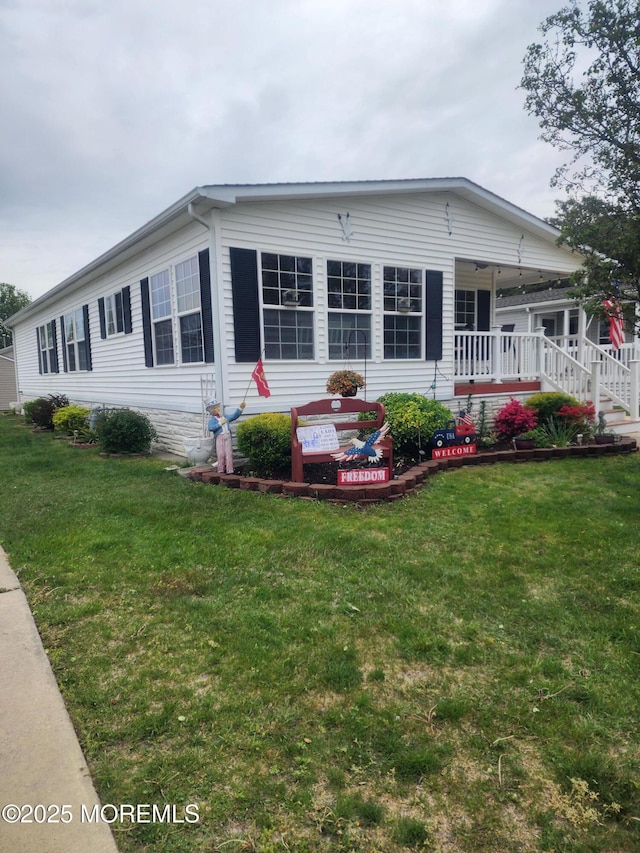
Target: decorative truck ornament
pixel 462 430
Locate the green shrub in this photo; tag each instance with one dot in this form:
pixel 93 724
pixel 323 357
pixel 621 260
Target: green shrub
pixel 70 419
pixel 412 421
pixel 123 431
pixel 266 441
pixel 39 412
pixel 546 404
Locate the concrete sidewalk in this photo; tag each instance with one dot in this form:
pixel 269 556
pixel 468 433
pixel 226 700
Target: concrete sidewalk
pixel 41 763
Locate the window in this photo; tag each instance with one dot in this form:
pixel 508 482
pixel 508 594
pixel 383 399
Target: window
pixel 176 314
pixel 76 341
pixel 349 290
pixel 47 348
pixel 465 309
pixel 114 313
pixel 189 313
pixel 287 282
pixel 161 317
pixel 403 298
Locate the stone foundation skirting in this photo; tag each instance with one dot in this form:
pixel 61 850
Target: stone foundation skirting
pixel 406 483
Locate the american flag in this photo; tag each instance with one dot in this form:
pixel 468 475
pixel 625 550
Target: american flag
pixel 464 418
pixel 616 326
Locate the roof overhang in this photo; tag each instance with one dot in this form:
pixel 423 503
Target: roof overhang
pixel 202 200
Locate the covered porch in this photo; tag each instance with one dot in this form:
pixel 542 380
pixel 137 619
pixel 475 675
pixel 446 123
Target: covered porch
pixel 503 361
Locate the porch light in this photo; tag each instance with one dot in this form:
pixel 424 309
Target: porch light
pixel 291 298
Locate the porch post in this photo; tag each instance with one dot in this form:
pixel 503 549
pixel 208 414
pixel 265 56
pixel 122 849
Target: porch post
pixel 539 361
pixel 595 385
pixel 582 333
pixel 635 389
pixel 496 354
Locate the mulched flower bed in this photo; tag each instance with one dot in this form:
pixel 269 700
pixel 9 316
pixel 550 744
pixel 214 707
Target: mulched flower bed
pixel 404 481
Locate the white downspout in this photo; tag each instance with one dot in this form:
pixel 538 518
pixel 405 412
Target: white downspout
pixel 218 339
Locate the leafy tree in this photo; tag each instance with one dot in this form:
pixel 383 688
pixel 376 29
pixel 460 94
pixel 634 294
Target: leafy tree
pixel 11 301
pixel 583 85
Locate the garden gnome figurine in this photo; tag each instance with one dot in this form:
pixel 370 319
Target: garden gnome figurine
pixel 219 426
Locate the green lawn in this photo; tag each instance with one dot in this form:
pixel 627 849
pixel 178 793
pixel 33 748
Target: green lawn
pixel 456 671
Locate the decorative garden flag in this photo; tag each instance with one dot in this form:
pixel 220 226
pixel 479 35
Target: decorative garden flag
pixel 616 325
pixel 260 379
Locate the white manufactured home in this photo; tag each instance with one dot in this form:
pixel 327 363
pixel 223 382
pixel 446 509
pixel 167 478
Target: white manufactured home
pixel 396 279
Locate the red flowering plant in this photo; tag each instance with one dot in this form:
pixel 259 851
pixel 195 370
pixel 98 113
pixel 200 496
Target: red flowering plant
pixel 582 417
pixel 513 420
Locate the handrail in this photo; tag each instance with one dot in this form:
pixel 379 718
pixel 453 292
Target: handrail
pixel 563 372
pixel 614 378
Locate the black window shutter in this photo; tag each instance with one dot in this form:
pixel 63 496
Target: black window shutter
pixel 39 351
pixel 433 315
pixel 205 302
pixel 484 311
pixel 246 306
pixel 87 336
pixel 146 322
pixel 119 318
pixel 126 310
pixel 54 353
pixel 63 337
pixel 103 322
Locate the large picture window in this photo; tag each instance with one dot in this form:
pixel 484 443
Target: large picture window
pixel 287 297
pixel 403 310
pixel 349 290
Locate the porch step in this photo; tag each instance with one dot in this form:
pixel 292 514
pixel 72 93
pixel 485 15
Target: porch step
pixel 624 426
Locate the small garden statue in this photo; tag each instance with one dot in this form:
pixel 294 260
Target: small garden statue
pixel 219 425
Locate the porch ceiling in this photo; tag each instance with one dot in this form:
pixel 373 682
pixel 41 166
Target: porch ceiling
pixel 506 276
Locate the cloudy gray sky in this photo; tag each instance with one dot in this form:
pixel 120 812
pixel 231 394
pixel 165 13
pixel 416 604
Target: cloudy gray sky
pixel 111 111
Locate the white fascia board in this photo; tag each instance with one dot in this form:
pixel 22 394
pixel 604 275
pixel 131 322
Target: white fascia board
pixel 227 193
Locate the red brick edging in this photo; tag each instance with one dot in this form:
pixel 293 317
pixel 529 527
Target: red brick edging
pixel 405 483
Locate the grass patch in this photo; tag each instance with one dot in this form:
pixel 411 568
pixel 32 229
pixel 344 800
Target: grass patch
pixel 457 669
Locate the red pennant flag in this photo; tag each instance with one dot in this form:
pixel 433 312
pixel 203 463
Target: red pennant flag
pixel 260 379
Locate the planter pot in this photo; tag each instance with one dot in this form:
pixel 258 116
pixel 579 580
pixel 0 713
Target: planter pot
pixel 198 450
pixel 350 393
pixel 604 439
pixel 524 443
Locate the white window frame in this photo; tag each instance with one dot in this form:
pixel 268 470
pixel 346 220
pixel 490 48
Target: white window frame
pixel 46 337
pixel 347 311
pixel 292 314
pixel 114 314
pixel 403 303
pixel 75 340
pixel 171 302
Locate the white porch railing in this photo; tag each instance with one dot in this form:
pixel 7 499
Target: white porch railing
pixel 496 356
pixel 570 364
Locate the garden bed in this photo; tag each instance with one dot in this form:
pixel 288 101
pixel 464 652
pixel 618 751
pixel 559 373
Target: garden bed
pixel 405 481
